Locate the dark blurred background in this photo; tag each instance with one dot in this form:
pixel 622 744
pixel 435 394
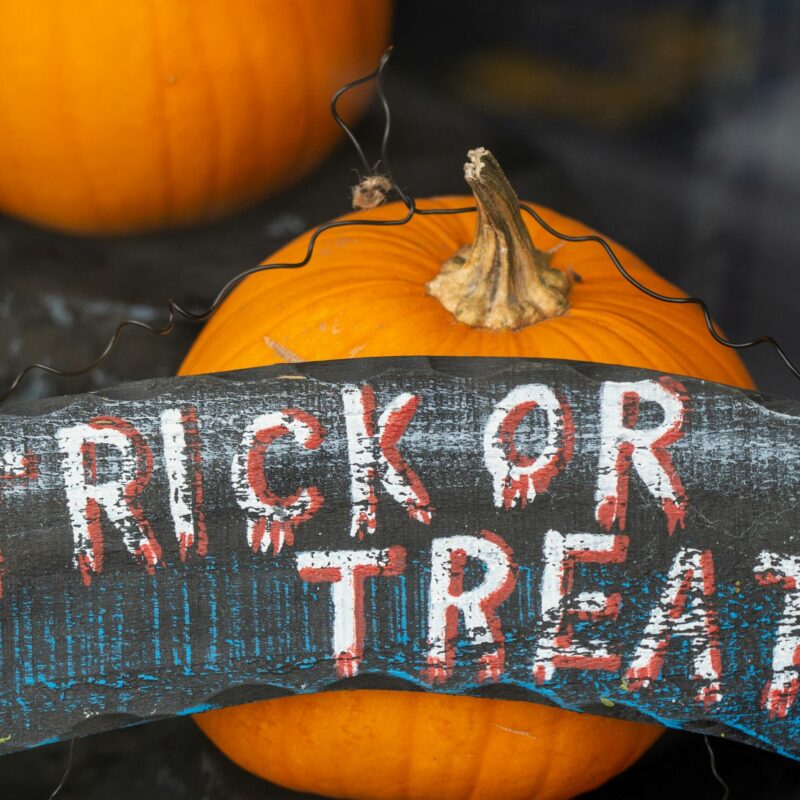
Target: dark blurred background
pixel 672 126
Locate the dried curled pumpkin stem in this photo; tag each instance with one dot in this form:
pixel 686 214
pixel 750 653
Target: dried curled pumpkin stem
pixel 501 280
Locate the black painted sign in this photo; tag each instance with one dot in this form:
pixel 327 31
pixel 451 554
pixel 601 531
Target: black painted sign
pixel 610 540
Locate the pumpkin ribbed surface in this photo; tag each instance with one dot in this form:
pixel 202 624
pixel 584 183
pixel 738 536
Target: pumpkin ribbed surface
pixel 392 745
pixel 364 294
pixel 123 116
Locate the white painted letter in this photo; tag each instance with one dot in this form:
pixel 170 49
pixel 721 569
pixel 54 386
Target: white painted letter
pixel 375 454
pixel 556 647
pixel 15 465
pixel 781 689
pixel 181 436
pixel 346 571
pixel 684 609
pixel 477 606
pixel 87 496
pixel 518 478
pixel 624 446
pixel 263 507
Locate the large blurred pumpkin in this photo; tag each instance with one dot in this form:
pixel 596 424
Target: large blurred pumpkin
pixel 374 291
pixel 133 115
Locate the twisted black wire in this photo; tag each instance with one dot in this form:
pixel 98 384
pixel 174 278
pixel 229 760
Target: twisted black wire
pixel 175 310
pixel 66 773
pixel 665 298
pixel 712 760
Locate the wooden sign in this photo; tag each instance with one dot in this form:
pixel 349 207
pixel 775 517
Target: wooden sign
pixel 610 540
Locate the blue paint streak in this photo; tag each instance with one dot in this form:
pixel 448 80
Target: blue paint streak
pixel 213 611
pixel 306 620
pixel 47 633
pixel 101 630
pixel 231 579
pixel 156 638
pixel 287 628
pixel 256 611
pixel 174 625
pixel 27 619
pixel 117 663
pixel 196 709
pixel 17 653
pixel 403 637
pixel 187 631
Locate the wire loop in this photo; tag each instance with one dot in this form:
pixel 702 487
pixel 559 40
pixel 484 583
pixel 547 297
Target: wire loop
pixel 175 310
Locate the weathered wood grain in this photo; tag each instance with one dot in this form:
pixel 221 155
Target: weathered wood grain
pixel 185 543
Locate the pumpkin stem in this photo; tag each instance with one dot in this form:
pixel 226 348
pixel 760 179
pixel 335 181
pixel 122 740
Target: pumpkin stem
pixel 501 280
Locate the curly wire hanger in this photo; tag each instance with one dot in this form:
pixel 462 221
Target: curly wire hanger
pixel 175 310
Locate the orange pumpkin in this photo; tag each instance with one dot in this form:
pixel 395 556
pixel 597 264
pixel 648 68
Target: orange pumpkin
pixel 372 291
pixel 128 116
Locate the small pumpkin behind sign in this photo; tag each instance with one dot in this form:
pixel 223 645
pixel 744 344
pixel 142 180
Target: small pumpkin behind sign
pixel 375 291
pixel 127 116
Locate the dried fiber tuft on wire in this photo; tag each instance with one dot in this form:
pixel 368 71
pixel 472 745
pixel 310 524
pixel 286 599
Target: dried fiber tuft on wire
pixel 370 192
